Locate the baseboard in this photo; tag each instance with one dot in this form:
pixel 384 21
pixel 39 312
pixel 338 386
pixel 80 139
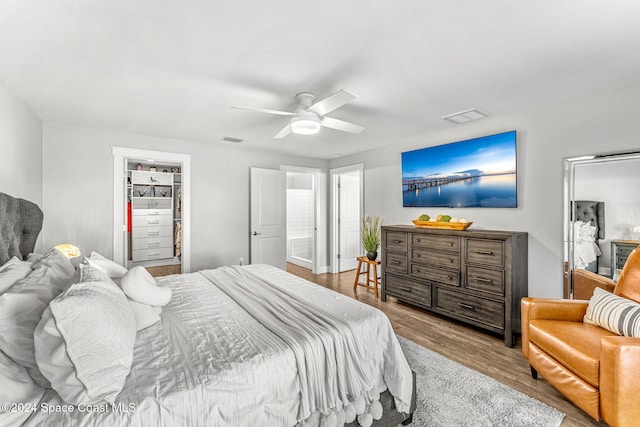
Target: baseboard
pixel 323 269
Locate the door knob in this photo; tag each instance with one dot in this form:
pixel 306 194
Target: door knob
pixel 255 233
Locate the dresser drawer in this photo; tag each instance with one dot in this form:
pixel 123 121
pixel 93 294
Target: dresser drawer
pixel 448 243
pixel 448 277
pixel 435 258
pixel 152 231
pixel 151 212
pixel 396 262
pixel 152 243
pixel 151 254
pixel 143 221
pixel 156 178
pixel 408 289
pixel 621 260
pixel 488 252
pixel 469 306
pixel 624 251
pixel 396 241
pixel 486 280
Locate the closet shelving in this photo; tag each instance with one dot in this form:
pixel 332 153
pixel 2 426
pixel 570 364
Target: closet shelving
pixel 154 214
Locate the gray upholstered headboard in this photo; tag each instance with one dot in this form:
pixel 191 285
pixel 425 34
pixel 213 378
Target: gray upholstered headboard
pixel 593 212
pixel 20 224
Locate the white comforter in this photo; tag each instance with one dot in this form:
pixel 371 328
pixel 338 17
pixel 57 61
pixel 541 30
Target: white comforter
pixel 585 248
pixel 210 363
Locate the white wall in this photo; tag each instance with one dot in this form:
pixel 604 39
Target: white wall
pixel 20 148
pixel 69 175
pixel 78 190
pixel 616 184
pixel 600 124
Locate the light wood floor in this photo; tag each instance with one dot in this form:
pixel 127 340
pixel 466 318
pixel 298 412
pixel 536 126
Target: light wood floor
pixel 468 346
pixel 164 270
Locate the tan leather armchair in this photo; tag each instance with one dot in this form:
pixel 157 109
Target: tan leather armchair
pixel 596 369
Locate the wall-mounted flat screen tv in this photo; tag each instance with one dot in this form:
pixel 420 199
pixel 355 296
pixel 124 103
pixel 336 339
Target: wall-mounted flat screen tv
pixel 476 173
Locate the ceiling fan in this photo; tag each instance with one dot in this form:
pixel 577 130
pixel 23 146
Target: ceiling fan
pixel 308 116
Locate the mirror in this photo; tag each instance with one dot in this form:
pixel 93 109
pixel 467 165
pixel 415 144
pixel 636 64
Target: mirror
pixel 612 180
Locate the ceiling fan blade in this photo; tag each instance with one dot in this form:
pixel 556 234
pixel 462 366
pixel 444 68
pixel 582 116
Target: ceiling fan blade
pixel 264 110
pixel 341 125
pixel 283 132
pixel 331 102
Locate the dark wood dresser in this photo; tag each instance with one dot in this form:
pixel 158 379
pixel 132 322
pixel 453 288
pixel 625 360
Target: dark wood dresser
pixel 620 251
pixel 475 276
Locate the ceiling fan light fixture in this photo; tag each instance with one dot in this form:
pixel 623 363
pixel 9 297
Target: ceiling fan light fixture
pixel 306 124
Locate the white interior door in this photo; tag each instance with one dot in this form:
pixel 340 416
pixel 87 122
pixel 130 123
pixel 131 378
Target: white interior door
pixel 268 217
pixel 349 221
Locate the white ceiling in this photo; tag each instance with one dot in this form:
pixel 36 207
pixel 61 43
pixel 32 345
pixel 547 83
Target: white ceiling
pixel 174 68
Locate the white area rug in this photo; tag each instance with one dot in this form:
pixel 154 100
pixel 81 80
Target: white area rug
pixel 452 395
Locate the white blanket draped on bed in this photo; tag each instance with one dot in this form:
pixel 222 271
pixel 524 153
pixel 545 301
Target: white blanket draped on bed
pixel 208 362
pixel 332 361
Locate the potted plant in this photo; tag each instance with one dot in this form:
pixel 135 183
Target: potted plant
pixel 371 235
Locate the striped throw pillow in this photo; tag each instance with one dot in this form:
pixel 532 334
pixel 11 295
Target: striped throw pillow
pixel 613 313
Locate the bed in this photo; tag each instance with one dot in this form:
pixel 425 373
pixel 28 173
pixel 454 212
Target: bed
pixel 589 229
pixel 235 346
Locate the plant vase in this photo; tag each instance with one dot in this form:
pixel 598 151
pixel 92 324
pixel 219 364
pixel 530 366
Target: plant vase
pixel 370 235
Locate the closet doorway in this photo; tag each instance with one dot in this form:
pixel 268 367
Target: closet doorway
pixel 152 209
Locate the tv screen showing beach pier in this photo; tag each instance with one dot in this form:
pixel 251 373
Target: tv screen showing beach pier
pixel 476 173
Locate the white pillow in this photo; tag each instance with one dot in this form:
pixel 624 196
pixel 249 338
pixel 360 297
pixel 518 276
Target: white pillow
pixel 139 285
pixel 22 305
pixel 613 313
pixel 12 271
pixel 84 342
pixel 88 273
pixel 146 315
pixel 33 257
pixel 17 387
pixel 110 268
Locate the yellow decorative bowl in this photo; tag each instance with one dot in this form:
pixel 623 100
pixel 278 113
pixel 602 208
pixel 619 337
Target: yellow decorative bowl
pixel 444 225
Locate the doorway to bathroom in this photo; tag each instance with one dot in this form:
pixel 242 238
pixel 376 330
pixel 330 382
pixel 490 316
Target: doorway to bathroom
pixel 300 219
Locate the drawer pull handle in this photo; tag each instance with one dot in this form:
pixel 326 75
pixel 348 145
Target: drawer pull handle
pixel 153 213
pixel 417 270
pixel 404 289
pixel 155 221
pixel 451 260
pixel 154 255
pixel 449 277
pixel 153 245
pixel 417 255
pixel 153 233
pixel 393 261
pixel 482 279
pixel 485 252
pixel 467 306
pixel 450 243
pixel 396 241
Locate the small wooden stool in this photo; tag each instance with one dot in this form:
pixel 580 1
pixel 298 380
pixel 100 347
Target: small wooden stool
pixel 369 280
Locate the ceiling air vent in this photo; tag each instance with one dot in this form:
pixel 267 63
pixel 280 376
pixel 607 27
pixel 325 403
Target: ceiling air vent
pixel 466 116
pixel 232 139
